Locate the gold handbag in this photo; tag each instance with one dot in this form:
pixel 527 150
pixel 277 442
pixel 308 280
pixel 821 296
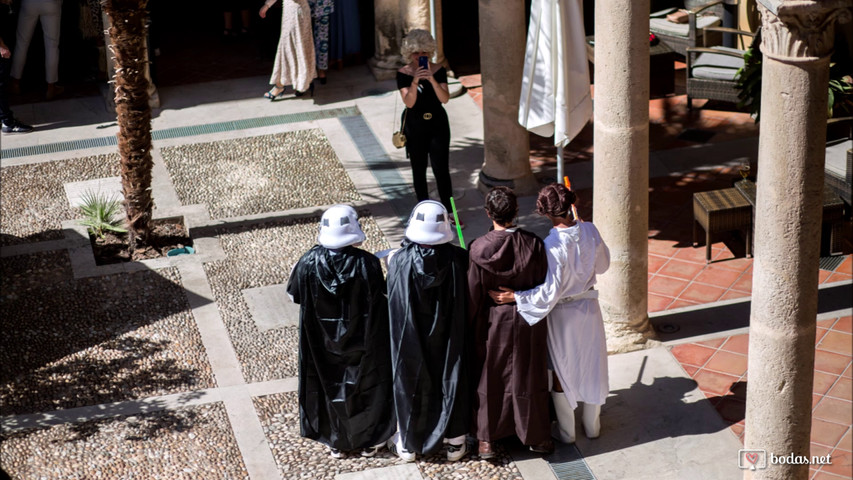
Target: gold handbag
pixel 399 138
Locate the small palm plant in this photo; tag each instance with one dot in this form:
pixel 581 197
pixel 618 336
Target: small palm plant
pixel 99 213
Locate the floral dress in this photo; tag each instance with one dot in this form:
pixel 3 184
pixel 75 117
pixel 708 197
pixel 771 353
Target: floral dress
pixel 321 11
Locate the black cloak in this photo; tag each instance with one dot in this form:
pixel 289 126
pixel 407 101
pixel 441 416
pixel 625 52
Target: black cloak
pixel 427 301
pixel 345 390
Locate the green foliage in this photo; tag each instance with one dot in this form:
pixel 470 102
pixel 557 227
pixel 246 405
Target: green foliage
pixel 748 79
pixel 99 213
pixel 840 95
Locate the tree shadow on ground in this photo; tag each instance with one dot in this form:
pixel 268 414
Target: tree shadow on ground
pixel 71 342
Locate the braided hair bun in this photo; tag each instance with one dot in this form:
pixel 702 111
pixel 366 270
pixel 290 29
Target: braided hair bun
pixel 555 200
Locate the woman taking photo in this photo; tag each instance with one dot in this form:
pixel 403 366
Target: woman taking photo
pixel 423 85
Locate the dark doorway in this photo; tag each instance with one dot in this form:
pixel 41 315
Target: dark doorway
pixel 460 24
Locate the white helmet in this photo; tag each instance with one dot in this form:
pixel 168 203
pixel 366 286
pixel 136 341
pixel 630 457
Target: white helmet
pixel 339 227
pixel 429 224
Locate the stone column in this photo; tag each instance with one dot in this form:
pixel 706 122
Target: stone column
pixel 621 173
pixel 386 60
pixel 506 143
pixel 416 14
pixel 797 40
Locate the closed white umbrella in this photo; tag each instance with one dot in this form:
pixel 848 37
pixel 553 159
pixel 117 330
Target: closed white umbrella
pixel 555 98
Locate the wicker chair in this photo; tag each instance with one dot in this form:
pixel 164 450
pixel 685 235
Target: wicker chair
pixel 712 71
pixel 680 36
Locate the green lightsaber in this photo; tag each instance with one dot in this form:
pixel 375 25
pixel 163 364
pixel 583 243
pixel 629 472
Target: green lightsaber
pixel 458 227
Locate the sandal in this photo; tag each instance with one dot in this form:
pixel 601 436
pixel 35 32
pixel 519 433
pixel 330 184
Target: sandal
pixel 274 96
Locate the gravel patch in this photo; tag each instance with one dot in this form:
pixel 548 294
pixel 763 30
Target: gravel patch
pixel 257 256
pixel 188 443
pixel 70 343
pixel 260 174
pixel 32 198
pixel 299 457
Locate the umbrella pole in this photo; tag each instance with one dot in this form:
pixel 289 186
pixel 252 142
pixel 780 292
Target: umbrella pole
pixel 559 164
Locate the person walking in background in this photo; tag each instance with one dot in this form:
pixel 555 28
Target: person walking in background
pixel 49 13
pixel 321 12
pixel 345 394
pixel 427 301
pixel 576 342
pixel 294 58
pixel 512 358
pixel 423 85
pixel 9 123
pixel 228 9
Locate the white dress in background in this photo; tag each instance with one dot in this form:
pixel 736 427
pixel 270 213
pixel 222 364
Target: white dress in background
pixel 576 340
pixel 294 60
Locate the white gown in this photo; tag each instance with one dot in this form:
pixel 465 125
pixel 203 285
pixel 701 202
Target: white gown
pixel 576 340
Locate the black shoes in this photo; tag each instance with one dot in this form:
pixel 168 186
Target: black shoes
pixel 16 126
pixel 310 90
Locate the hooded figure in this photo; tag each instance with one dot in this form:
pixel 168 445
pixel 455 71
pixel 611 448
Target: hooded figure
pixel 345 394
pixel 427 301
pixel 576 341
pixel 512 360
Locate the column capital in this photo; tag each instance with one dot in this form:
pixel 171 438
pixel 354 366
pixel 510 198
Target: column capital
pixel 800 30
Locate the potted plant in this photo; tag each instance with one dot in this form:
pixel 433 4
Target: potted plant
pixel 840 104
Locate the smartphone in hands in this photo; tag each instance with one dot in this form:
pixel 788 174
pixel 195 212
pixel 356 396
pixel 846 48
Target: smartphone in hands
pixel 423 62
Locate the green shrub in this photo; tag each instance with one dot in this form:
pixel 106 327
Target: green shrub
pixel 99 213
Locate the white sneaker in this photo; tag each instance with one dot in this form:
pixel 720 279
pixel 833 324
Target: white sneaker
pixel 456 452
pixel 371 451
pixel 404 455
pixel 335 453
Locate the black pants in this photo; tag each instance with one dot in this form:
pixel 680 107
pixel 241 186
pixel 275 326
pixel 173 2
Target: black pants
pixel 428 141
pixel 5 112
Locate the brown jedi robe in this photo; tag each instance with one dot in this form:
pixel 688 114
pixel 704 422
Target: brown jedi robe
pixel 512 391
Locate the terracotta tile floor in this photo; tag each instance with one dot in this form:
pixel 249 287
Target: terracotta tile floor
pixel 719 367
pixel 678 275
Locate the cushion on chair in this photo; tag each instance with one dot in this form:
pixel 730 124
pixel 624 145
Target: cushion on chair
pixel 663 25
pixel 663 13
pixel 717 67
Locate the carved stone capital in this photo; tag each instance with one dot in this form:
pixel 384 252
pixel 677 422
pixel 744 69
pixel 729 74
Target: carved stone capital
pixel 801 30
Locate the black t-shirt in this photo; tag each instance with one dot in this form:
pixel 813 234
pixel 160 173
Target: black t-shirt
pixel 427 100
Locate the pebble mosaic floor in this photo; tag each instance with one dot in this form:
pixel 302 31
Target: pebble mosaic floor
pixel 260 174
pixel 32 199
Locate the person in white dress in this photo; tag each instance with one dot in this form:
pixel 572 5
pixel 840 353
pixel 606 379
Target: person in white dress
pixel 576 343
pixel 294 58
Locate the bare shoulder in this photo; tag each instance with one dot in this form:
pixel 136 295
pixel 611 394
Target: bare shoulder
pixel 406 70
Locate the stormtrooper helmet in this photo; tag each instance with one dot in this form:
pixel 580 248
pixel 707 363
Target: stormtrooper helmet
pixel 339 227
pixel 429 224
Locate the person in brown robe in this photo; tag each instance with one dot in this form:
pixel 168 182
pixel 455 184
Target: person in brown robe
pixel 512 391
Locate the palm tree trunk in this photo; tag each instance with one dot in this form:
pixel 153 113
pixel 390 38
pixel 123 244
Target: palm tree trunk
pixel 127 31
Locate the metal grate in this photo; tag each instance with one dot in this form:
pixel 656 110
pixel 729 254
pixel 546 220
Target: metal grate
pixel 831 263
pixel 189 131
pixel 568 464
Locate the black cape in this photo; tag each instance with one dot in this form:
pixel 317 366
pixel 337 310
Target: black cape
pixel 427 301
pixel 345 390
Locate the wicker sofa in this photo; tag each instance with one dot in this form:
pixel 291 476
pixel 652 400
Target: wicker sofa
pixel 712 71
pixel 680 36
